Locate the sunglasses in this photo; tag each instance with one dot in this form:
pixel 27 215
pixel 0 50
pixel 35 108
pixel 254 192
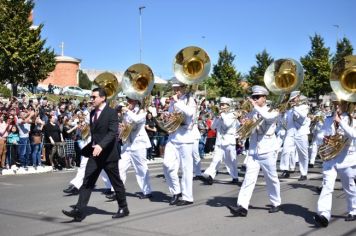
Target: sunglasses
pixel 256 97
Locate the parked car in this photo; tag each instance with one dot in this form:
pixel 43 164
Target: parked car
pixel 76 91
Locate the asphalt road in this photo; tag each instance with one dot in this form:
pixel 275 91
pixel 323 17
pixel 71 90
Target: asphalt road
pixel 32 204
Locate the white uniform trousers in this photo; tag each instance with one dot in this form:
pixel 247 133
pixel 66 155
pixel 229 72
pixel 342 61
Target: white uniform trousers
pixel 196 159
pixel 176 155
pixel 292 144
pixel 347 176
pixel 137 159
pixel 268 164
pixel 313 152
pixel 228 155
pixel 78 179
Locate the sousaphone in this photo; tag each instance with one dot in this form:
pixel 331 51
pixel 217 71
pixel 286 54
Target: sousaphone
pixel 343 83
pixel 137 84
pixel 191 66
pixel 281 77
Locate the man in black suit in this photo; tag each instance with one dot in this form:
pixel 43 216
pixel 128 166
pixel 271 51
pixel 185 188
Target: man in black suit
pixel 103 154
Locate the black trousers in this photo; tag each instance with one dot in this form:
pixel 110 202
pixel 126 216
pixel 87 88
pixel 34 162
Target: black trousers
pixel 92 172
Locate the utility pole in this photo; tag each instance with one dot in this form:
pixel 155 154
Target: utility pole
pixel 140 11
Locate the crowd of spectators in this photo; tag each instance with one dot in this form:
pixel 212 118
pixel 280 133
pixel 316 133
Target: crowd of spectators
pixel 37 132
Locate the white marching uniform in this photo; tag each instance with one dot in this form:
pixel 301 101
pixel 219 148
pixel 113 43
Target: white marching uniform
pixel 296 138
pixel 262 155
pixel 317 140
pixel 343 164
pixel 77 181
pixel 179 149
pixel 196 155
pixel 281 130
pixel 134 150
pixel 225 145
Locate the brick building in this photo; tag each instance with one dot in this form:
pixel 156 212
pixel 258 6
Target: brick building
pixel 65 72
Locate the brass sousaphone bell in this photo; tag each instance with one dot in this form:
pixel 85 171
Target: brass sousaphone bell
pixel 109 82
pixel 343 83
pixel 137 84
pixel 191 66
pixel 281 77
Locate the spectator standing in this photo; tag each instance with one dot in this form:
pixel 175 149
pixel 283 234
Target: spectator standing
pixel 151 132
pixel 24 127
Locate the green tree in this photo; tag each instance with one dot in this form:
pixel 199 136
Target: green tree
pixel 23 59
pixel 317 68
pixel 224 79
pixel 343 48
pixel 84 81
pixel 257 72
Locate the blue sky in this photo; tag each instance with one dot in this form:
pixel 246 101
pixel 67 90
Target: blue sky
pixel 105 34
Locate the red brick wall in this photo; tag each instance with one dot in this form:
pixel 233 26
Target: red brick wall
pixel 64 74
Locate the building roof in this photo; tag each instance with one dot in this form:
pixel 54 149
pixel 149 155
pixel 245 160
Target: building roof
pixel 67 59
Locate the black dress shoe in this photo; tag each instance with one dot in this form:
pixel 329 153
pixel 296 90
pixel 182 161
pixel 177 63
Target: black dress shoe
pixel 111 196
pixel 75 214
pixel 302 178
pixel 274 209
pixel 67 190
pixel 321 220
pixel 319 189
pixel 235 181
pixel 174 200
pixel 285 174
pixel 310 165
pixel 208 180
pixel 238 211
pixel 184 203
pixel 71 190
pixel 122 212
pixel 350 217
pixel 198 177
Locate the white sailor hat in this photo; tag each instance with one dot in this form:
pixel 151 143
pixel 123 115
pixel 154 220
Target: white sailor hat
pixel 259 90
pixel 293 95
pixel 226 100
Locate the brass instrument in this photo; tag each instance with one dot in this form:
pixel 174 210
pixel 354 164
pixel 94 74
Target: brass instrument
pixel 191 66
pixel 343 83
pixel 281 77
pixel 137 84
pixel 109 83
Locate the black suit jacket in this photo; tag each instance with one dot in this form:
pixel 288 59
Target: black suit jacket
pixel 103 132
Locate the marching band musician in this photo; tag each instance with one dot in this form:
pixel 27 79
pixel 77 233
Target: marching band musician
pixel 343 164
pixel 262 154
pixel 134 150
pixel 296 137
pixel 317 140
pixel 225 125
pixel 179 148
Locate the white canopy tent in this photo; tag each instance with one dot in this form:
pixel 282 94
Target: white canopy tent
pixel 159 80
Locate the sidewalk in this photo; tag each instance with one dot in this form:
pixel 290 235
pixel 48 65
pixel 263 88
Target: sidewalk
pixel 45 169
